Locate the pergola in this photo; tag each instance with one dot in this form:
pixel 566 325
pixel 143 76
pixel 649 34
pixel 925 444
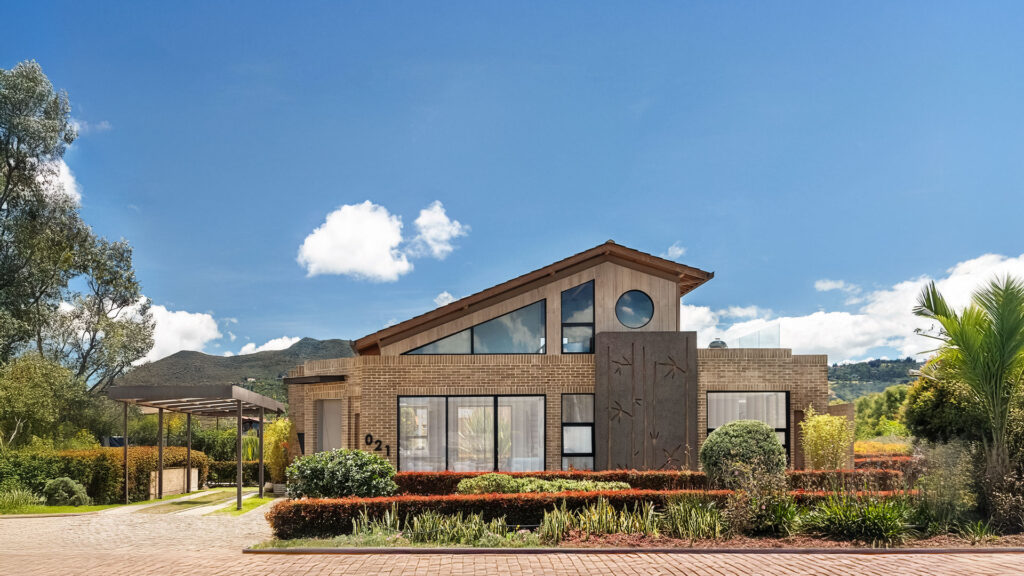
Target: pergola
pixel 202 400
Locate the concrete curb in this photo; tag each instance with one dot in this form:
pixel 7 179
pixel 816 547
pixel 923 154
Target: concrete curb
pixel 506 551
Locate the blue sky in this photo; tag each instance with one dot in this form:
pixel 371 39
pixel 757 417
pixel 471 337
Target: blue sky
pixel 780 145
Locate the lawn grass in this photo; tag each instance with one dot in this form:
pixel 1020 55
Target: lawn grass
pixel 44 509
pixel 248 505
pixel 217 495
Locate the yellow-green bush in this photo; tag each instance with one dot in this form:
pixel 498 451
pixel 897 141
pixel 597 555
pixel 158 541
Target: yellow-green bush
pixel 826 440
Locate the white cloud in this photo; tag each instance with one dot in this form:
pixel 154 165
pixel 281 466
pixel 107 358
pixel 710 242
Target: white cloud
pixel 365 241
pixel 231 335
pixel 84 127
pixel 435 232
pixel 57 180
pixel 359 240
pixel 275 344
pixel 228 353
pixel 178 330
pixel 674 251
pixel 444 298
pixel 826 285
pixel 885 319
pixel 744 312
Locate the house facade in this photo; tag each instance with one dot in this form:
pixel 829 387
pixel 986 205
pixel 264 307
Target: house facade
pixel 581 364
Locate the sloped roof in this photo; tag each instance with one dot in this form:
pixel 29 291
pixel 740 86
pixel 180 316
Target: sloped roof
pixel 686 277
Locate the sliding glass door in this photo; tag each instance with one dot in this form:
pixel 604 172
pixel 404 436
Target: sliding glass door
pixel 471 433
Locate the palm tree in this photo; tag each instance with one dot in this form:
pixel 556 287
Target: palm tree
pixel 983 347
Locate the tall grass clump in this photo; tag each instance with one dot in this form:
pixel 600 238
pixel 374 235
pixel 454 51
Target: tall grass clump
pixel 882 522
pixel 693 518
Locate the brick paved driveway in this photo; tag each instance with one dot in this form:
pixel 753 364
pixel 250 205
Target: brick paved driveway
pixel 132 544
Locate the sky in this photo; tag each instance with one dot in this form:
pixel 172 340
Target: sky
pixel 324 169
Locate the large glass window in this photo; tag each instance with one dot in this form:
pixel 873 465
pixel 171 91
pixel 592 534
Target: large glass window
pixel 578 319
pixel 521 331
pixel 421 434
pixel 518 332
pixel 471 433
pixel 458 343
pixel 634 309
pixel 520 433
pixel 772 408
pixel 578 431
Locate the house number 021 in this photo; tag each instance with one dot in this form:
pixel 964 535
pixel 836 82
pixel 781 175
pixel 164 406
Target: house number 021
pixel 377 445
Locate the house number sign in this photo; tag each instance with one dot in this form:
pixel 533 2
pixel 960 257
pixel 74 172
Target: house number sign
pixel 378 446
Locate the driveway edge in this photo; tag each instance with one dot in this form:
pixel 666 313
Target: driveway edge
pixel 504 551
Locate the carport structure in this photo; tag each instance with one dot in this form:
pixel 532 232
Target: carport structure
pixel 202 400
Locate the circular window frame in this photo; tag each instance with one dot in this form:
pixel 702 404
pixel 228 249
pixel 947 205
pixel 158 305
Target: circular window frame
pixel 645 295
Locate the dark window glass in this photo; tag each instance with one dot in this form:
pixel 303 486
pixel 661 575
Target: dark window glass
pixel 578 431
pixel 518 332
pixel 578 304
pixel 578 319
pixel 457 343
pixel 634 309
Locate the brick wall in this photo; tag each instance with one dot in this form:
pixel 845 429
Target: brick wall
pixel 370 386
pixel 805 377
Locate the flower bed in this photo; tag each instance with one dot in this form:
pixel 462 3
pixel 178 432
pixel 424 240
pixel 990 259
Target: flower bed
pixel 875 478
pixel 321 518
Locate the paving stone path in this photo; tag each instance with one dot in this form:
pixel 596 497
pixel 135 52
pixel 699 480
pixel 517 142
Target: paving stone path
pixel 131 544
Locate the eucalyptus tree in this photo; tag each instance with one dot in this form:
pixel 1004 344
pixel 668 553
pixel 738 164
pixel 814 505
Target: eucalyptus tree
pixel 46 248
pixel 982 346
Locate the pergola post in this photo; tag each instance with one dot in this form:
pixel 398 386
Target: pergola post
pixel 261 452
pixel 160 453
pixel 188 453
pixel 238 447
pixel 125 452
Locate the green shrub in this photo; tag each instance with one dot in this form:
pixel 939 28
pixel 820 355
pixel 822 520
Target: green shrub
pixel 1006 504
pixel 827 440
pixel 442 529
pixel 226 472
pixel 761 503
pixel 601 517
pixel 693 518
pixel 505 484
pixel 64 491
pixel 340 473
pixel 868 519
pixel 100 470
pixel 15 499
pixel 946 494
pixel 741 441
pixel 275 448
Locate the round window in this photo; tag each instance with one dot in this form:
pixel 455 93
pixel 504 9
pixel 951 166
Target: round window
pixel 634 309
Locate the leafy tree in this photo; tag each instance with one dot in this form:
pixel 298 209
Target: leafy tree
pixel 983 347
pixel 939 409
pixel 34 392
pixel 45 246
pixel 873 408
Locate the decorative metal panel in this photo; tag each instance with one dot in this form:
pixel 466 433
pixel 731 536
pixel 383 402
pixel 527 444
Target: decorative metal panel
pixel 645 402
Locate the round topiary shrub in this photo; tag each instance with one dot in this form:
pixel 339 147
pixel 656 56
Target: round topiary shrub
pixel 748 443
pixel 340 473
pixel 65 492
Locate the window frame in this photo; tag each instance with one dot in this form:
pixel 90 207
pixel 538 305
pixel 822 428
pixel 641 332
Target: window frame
pixel 593 440
pixel 592 324
pixel 649 299
pixel 786 445
pixel 473 352
pixel 494 407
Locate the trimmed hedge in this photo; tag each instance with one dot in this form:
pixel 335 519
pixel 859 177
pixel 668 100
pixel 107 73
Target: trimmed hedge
pixel 100 470
pixel 328 517
pixel 226 472
pixel 431 483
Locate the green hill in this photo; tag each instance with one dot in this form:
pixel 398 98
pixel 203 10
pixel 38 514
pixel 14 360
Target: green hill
pixel 261 372
pixel 847 382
